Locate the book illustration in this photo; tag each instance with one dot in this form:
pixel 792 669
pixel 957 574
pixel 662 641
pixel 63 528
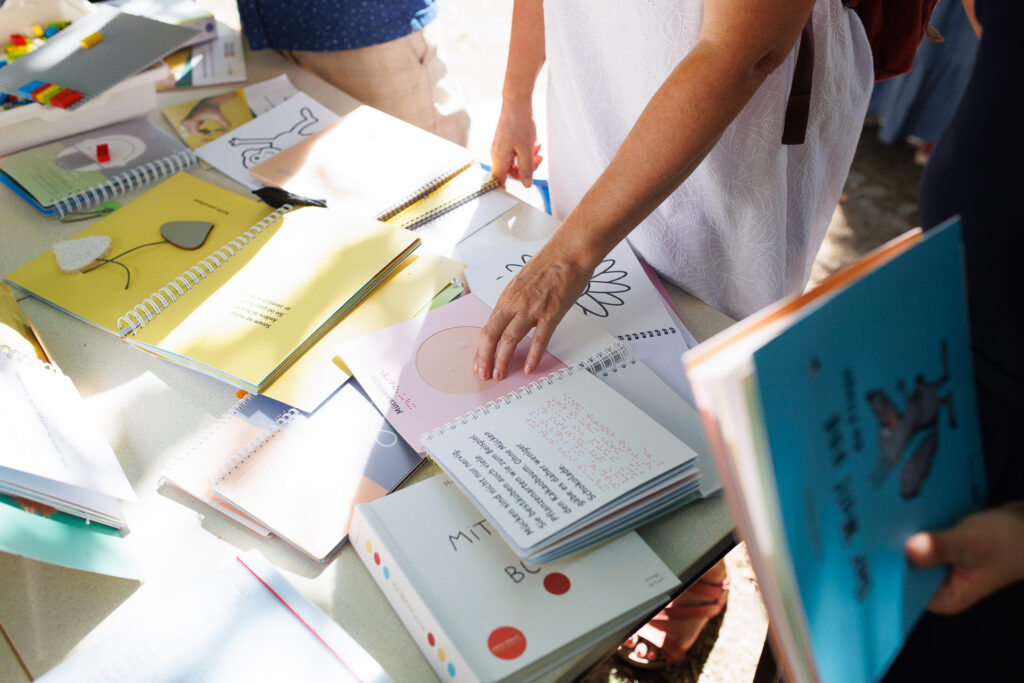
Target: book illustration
pixel 920 418
pixel 198 122
pixel 186 235
pixel 294 120
pixel 255 150
pixel 67 176
pixel 603 291
pixel 437 384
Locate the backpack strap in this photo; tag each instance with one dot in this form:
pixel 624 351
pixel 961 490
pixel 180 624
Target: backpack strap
pixel 798 107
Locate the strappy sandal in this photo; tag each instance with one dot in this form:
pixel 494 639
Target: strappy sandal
pixel 652 648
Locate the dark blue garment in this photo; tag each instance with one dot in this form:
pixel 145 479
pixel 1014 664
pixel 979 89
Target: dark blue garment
pixel 330 25
pixel 975 171
pixel 921 102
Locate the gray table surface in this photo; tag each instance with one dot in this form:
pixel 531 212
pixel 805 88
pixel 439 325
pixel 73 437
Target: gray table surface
pixel 150 410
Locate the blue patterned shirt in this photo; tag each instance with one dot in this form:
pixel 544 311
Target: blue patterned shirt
pixel 329 25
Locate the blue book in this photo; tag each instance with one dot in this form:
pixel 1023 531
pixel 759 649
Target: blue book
pixel 853 411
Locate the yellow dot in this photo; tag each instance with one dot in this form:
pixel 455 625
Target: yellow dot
pixel 440 653
pixel 369 547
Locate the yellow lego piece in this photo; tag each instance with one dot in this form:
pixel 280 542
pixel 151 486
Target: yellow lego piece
pixel 91 40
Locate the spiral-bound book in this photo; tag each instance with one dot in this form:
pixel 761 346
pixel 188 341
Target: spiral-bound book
pixel 260 289
pixel 296 475
pixel 372 164
pixel 75 175
pixel 556 460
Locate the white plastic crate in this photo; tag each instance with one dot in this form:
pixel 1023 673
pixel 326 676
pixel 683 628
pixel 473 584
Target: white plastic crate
pixel 34 124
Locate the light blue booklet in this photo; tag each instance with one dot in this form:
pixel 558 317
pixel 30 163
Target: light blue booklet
pixel 870 417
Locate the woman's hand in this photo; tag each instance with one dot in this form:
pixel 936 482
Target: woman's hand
pixel 515 152
pixel 537 297
pixel 985 551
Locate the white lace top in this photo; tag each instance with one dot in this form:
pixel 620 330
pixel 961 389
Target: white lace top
pixel 744 229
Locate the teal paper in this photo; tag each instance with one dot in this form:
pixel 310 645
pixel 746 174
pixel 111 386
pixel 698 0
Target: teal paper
pixel 64 540
pixel 884 365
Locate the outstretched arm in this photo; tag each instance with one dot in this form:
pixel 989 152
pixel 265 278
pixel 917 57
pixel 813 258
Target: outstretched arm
pixel 740 43
pixel 515 150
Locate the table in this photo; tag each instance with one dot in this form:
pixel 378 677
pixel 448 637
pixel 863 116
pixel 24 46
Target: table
pixel 150 410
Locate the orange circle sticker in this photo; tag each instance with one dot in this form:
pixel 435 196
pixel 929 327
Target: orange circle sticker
pixel 506 642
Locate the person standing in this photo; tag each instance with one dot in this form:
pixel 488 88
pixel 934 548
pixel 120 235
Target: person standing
pixel 385 54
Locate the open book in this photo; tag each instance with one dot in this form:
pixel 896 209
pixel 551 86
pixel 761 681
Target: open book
pixel 429 550
pixel 245 304
pixel 296 475
pixel 66 175
pixel 843 421
pixel 375 165
pixel 557 460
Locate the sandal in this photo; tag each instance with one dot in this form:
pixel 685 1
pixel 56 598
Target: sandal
pixel 665 640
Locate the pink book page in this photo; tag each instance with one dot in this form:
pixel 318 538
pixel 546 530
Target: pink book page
pixel 419 373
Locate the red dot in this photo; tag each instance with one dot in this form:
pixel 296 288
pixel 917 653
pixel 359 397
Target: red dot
pixel 430 639
pixel 557 583
pixel 506 642
pixel 376 558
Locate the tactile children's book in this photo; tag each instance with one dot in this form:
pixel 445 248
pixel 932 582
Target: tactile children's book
pixel 620 298
pixel 375 165
pixel 556 460
pixel 239 622
pixel 476 611
pixel 267 135
pixel 296 475
pixel 73 174
pixel 843 421
pixel 250 296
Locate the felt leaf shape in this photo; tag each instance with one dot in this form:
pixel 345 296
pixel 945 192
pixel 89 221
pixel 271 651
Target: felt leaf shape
pixel 186 234
pixel 76 254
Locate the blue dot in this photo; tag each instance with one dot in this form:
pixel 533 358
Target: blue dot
pixel 451 669
pixel 387 573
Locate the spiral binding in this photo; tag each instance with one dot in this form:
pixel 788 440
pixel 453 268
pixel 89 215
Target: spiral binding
pixel 448 206
pixel 610 359
pixel 153 305
pixel 125 182
pixel 248 451
pixel 423 191
pixel 649 334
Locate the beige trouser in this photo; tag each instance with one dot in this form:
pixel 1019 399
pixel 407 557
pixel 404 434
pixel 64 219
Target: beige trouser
pixel 407 78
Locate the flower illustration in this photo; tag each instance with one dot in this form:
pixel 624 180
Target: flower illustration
pixel 602 291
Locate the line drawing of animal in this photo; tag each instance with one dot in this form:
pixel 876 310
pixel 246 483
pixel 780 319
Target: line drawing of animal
pixel 261 149
pixel 898 431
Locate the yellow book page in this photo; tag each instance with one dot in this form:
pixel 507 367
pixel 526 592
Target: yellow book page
pixel 99 296
pixel 315 266
pixel 314 377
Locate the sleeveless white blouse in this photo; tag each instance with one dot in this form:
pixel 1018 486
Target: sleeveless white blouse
pixel 743 230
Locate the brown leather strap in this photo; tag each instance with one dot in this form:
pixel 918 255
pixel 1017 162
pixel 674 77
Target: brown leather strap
pixel 798 107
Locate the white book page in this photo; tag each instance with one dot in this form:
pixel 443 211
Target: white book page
pixel 48 432
pixel 552 455
pixel 235 625
pixel 293 120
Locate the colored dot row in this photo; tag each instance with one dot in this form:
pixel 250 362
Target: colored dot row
pixel 431 641
pixel 48 93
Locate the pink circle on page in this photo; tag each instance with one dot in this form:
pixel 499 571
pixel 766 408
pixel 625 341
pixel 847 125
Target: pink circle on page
pixel 445 361
pixel 506 642
pixel 557 583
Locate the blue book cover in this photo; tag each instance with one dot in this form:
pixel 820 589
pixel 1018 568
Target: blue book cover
pixel 869 411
